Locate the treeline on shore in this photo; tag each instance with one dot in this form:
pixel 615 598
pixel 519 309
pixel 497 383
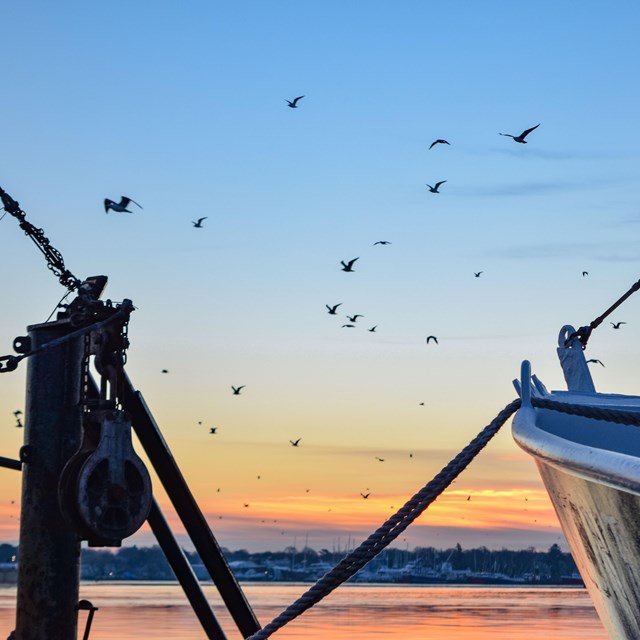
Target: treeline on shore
pixel 149 563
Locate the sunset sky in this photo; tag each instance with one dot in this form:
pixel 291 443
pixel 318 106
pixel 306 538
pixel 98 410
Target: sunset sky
pixel 181 106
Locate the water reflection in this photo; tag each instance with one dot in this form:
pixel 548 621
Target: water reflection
pixel 144 611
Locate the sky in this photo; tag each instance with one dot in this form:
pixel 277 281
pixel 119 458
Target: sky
pixel 182 107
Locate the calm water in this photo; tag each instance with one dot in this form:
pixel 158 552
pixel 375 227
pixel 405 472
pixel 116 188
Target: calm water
pixel 143 611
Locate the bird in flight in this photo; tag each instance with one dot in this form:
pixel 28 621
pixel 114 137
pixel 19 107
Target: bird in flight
pixel 373 329
pixel 438 141
pixel 381 242
pixel 17 413
pixel 18 423
pixel 165 371
pixel 236 390
pixel 595 361
pixel 522 136
pixel 477 274
pixel 429 338
pixel 355 318
pixel 119 207
pixel 213 429
pixel 379 459
pixel 198 223
pixel 348 326
pixel 616 325
pixel 349 265
pixel 295 443
pixel 585 273
pixel 365 495
pixel 332 310
pixel 294 103
pixel 434 189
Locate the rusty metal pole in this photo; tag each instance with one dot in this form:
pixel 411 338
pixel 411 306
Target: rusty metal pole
pixel 49 551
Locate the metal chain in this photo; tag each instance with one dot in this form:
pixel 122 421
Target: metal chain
pixel 55 261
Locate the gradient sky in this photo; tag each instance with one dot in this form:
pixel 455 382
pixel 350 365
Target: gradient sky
pixel 181 106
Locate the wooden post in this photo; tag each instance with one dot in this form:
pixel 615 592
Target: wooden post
pixel 49 551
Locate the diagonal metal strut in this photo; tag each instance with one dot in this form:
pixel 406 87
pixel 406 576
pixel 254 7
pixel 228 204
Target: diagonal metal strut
pixel 187 509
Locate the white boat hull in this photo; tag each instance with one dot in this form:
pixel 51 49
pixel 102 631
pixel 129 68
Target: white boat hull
pixel 591 470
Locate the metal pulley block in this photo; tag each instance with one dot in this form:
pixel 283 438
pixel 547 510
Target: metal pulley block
pixel 105 489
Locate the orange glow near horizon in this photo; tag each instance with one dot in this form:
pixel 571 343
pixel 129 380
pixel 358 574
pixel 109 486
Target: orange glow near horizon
pixel 282 519
pixel 280 516
pixel 316 492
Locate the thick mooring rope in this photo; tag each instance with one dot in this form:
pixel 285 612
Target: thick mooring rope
pixel 619 416
pixel 391 529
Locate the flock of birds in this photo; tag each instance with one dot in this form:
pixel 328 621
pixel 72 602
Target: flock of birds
pixel 347 266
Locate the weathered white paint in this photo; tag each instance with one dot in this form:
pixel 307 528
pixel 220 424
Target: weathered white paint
pixel 591 470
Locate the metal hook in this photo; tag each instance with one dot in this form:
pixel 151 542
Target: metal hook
pixel 85 605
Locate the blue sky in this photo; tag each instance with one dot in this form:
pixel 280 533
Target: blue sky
pixel 182 107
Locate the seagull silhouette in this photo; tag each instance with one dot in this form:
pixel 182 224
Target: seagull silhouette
pixel 165 371
pixel 198 224
pixel 429 338
pixel 213 429
pixel 438 141
pixel 332 310
pixel 349 326
pixel 18 423
pixel 477 274
pixel 295 443
pixel 522 136
pixel 293 103
pixel 616 325
pixel 595 361
pixel 17 413
pixel 119 207
pixel 355 318
pixel 381 242
pixel 379 459
pixel 585 273
pixel 373 329
pixel 349 265
pixel 236 390
pixel 434 189
pixel 365 495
